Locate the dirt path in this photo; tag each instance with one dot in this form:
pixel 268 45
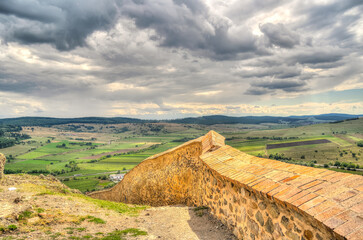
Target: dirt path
pixel 53 215
pixel 180 222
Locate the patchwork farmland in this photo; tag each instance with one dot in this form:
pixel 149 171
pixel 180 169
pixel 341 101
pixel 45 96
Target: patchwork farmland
pixel 84 158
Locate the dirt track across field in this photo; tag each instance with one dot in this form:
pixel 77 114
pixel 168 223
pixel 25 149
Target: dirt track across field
pixel 97 156
pixel 294 144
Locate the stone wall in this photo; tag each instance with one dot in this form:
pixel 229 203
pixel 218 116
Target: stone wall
pixel 253 216
pixel 166 178
pixel 256 198
pixel 2 165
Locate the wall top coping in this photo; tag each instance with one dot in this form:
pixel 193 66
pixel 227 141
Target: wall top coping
pixel 212 140
pixel 333 198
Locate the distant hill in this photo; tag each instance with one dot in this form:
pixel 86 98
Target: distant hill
pixel 299 120
pixel 220 119
pixel 206 120
pixel 330 116
pixel 46 121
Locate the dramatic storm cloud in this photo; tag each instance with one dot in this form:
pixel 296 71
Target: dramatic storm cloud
pixel 174 58
pixel 63 23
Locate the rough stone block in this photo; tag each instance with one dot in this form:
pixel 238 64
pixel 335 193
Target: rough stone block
pixel 2 165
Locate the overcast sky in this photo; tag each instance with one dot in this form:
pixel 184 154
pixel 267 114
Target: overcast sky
pixel 177 58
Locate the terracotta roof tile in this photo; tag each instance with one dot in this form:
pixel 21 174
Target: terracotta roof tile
pixel 339 219
pixel 352 201
pixel 350 226
pixel 358 208
pixel 312 203
pixel 320 207
pixel 356 235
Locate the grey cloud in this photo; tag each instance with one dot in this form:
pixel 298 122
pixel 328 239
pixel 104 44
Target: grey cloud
pixel 333 19
pixel 242 10
pixel 342 32
pixel 279 35
pixel 280 84
pixel 190 25
pixel 280 71
pixel 288 62
pixel 32 10
pixel 324 14
pixel 257 91
pixel 270 86
pixel 313 56
pixel 64 24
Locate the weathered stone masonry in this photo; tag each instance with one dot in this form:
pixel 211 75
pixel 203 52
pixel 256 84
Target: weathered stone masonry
pixel 2 165
pixel 257 198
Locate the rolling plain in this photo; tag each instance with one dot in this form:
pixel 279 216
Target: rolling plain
pixel 83 155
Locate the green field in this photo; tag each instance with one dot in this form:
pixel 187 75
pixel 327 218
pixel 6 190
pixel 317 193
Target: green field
pixel 52 149
pixel 83 184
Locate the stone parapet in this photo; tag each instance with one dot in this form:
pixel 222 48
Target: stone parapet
pixel 257 198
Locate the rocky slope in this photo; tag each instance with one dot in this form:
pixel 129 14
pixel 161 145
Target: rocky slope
pixel 43 208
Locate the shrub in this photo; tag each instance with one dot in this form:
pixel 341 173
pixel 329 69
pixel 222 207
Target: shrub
pixel 24 215
pixel 12 227
pixel 117 234
pixel 351 165
pixel 96 220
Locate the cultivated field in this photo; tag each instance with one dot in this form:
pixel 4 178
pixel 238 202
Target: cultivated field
pixel 297 143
